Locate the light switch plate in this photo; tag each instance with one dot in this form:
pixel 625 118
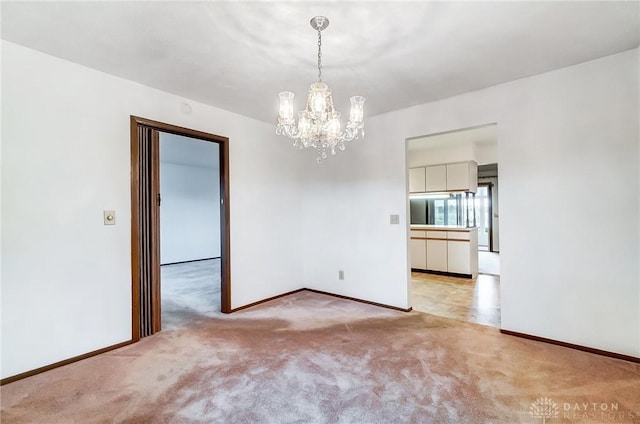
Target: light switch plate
pixel 394 219
pixel 109 217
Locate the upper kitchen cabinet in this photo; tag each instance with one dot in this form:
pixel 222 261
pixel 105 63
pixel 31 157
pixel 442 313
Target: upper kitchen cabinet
pixel 436 178
pixel 460 176
pixel 416 180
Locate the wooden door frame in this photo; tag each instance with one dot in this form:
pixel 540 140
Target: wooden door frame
pixel 225 277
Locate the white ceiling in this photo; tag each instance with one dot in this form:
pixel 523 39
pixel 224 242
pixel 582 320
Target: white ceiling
pixel 238 55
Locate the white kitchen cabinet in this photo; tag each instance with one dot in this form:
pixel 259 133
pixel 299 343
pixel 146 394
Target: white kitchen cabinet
pixel 444 250
pixel 458 257
pixel 462 176
pixel 462 252
pixel 436 178
pixel 417 180
pixel 418 254
pixel 437 255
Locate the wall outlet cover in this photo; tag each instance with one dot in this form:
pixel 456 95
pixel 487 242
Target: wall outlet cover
pixel 109 217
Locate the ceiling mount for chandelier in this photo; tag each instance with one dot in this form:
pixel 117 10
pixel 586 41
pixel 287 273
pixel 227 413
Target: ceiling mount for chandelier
pixel 318 125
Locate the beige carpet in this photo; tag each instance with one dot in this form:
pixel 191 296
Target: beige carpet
pixel 189 290
pixel 311 358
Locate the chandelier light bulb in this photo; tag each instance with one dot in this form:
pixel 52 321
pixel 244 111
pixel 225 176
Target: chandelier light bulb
pixel 318 95
pixel 286 105
pixel 357 109
pixel 318 125
pixel 333 125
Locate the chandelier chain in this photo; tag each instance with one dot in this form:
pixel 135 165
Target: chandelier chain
pixel 319 55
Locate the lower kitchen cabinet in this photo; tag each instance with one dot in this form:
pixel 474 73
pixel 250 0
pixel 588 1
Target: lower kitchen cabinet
pixel 451 252
pixel 458 257
pixel 418 254
pixel 437 255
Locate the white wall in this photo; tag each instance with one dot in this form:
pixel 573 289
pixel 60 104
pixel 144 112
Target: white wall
pixel 190 207
pixel 66 278
pixel 437 156
pixel 568 273
pixel 486 153
pixel 347 206
pixel 482 154
pixel 189 214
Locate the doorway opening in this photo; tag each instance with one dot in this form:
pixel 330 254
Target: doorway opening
pixel 189 230
pixel 145 220
pixel 487 211
pixel 483 207
pixel 448 275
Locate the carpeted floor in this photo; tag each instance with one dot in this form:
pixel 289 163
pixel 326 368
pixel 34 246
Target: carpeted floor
pixel 188 291
pixel 312 358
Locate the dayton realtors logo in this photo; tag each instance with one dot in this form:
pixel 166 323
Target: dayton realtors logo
pixel 544 408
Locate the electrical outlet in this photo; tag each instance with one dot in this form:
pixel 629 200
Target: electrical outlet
pixel 341 275
pixel 394 219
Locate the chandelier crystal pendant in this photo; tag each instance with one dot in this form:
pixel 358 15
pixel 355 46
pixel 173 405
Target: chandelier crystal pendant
pixel 318 125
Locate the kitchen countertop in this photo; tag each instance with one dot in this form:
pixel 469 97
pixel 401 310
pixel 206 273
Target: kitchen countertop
pixel 442 228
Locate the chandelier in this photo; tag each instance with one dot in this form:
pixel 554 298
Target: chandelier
pixel 318 125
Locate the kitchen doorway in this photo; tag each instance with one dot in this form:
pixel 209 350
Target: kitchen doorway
pixel 435 288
